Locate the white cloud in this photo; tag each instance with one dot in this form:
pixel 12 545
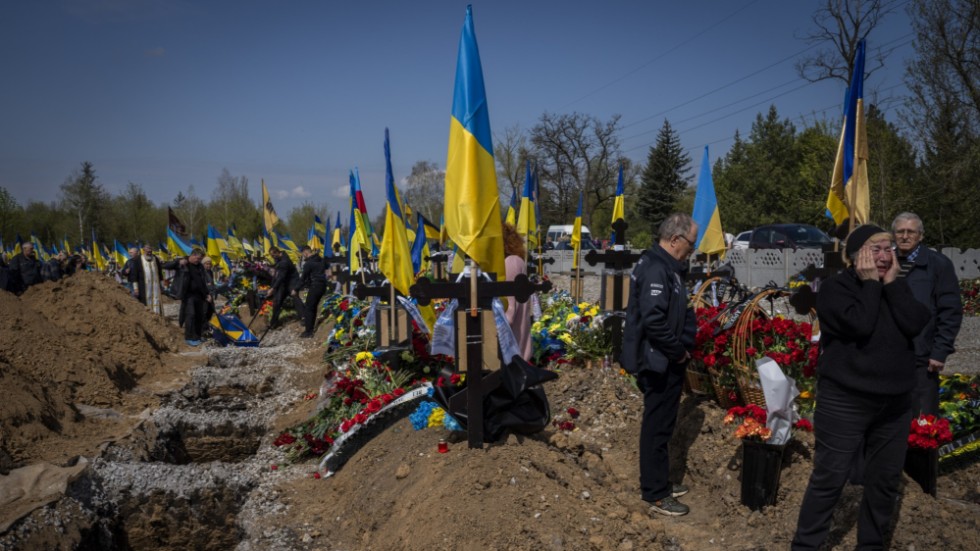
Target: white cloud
pixel 300 192
pixel 341 191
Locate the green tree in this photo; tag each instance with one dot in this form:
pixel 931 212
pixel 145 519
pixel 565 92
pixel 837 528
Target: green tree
pixel 9 213
pixel 664 178
pixel 300 219
pixel 132 216
pixel 231 204
pixel 85 199
pixel 192 212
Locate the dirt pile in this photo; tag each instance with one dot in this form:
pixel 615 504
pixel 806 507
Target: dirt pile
pixel 77 343
pixel 579 489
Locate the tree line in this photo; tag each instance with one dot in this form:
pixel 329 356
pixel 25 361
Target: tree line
pixel 924 157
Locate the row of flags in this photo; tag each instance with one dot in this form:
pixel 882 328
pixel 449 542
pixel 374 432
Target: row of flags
pixel 472 219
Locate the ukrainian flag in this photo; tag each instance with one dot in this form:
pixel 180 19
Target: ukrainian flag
pixel 619 202
pixel 431 230
pixel 269 216
pixel 849 195
pixel 17 248
pixel 288 246
pixel 97 257
pixel 119 253
pixel 236 249
pixel 511 217
pixel 395 258
pixel 577 234
pixel 42 253
pixel 337 239
pixel 175 245
pixel 225 264
pixel 711 239
pixel 65 245
pixel 527 224
pixel 317 235
pixel 420 246
pixel 248 248
pixel 213 241
pixel 472 203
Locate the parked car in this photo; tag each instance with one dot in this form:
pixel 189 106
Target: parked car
pixel 788 236
pixel 742 240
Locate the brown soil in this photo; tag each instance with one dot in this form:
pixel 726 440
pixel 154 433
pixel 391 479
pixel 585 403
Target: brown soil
pixel 79 344
pixel 85 342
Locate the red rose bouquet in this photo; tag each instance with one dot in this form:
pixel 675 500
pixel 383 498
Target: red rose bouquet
pixel 928 432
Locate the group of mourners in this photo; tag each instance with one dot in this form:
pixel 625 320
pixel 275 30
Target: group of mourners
pixel 24 269
pixel 887 324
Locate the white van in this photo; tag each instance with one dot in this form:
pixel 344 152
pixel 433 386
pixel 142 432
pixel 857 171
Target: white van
pixel 560 237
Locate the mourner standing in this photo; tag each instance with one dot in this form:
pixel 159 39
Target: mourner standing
pixel 194 297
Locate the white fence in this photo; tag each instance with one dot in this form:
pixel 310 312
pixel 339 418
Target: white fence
pixel 757 267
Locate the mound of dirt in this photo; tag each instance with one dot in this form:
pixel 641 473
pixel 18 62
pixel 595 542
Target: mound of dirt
pixel 579 489
pixel 77 343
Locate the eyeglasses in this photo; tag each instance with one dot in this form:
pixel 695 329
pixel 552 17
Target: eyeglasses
pixel 907 232
pixel 684 237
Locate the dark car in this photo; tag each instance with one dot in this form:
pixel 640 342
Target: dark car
pixel 789 236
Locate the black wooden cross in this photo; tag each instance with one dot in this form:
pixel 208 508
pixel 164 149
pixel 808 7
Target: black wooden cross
pixel 439 269
pixel 485 291
pixel 616 260
pixel 391 331
pixel 537 262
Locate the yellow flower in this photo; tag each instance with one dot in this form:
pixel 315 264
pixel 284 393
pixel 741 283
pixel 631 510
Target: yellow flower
pixel 363 356
pixel 572 316
pixel 555 327
pixel 565 338
pixel 805 394
pixel 436 417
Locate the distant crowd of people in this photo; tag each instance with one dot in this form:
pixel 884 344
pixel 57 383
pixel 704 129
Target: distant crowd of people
pixel 24 269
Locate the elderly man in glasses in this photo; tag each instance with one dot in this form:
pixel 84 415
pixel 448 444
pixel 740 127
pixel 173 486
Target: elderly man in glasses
pixel 933 281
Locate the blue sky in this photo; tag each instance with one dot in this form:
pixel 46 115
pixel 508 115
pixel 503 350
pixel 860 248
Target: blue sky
pixel 166 94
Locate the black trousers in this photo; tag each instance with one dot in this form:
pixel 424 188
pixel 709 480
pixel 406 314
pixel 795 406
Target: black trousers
pixel 311 308
pixel 195 309
pixel 925 397
pixel 661 400
pixel 844 421
pixel 278 298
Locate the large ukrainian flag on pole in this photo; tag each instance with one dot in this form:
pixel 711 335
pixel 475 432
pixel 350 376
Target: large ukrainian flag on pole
pixel 711 238
pixel 577 234
pixel 849 195
pixel 619 202
pixel 472 208
pixel 269 219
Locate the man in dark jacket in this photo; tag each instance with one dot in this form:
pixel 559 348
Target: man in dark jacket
pixel 55 267
pixel 194 297
pixel 24 270
pixel 314 279
pixel 865 377
pixel 285 280
pixel 657 344
pixel 933 281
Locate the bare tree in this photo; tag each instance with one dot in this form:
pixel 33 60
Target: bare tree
pixel 575 152
pixel 842 24
pixel 190 208
pixel 511 153
pixel 425 190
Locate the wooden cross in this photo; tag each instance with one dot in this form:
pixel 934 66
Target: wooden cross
pixel 475 297
pixel 439 269
pixel 537 262
pixel 613 296
pixel 392 327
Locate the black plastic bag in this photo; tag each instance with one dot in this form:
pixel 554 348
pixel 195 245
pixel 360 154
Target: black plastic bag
pixel 519 403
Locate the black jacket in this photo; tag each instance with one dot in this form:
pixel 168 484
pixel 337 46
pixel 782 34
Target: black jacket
pixel 286 278
pixel 660 326
pixel 193 283
pixel 866 333
pixel 55 270
pixel 24 272
pixel 933 281
pixel 313 273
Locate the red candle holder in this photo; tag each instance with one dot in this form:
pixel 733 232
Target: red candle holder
pixel 443 446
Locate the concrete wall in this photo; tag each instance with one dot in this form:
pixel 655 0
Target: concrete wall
pixel 757 267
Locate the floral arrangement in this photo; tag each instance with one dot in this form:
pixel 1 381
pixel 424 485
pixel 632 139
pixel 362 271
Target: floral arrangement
pixel 568 425
pixel 430 414
pixel 970 295
pixel 567 331
pixel 959 402
pixel 712 349
pixel 928 432
pixel 751 421
pixel 788 343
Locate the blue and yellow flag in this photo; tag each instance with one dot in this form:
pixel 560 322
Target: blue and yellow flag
pixel 711 238
pixel 317 236
pixel 225 264
pixel 511 217
pixel 849 195
pixel 288 246
pixel 42 253
pixel 419 244
pixel 269 219
pixel 65 245
pixel 17 248
pixel 472 202
pixel 395 257
pixel 359 238
pixel 337 239
pixel 431 230
pixel 248 247
pixel 213 241
pixel 577 234
pixel 119 253
pixel 236 249
pixel 97 257
pixel 175 245
pixel 619 202
pixel 527 223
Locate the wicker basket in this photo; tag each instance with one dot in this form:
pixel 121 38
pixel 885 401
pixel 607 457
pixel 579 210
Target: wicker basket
pixel 722 394
pixel 697 381
pixel 699 300
pixel 746 375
